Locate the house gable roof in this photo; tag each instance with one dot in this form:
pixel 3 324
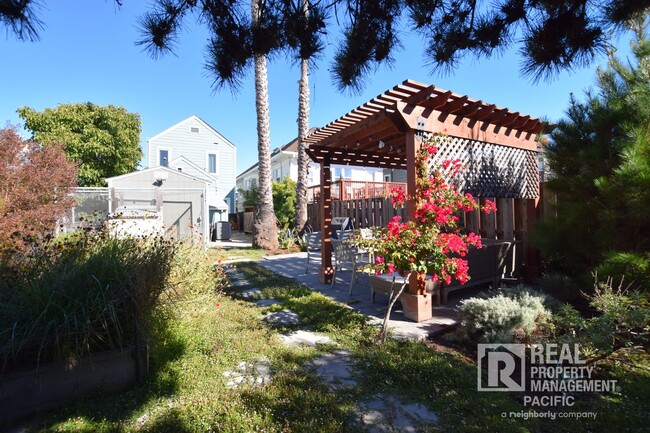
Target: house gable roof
pixel 159 168
pixel 195 166
pixel 200 121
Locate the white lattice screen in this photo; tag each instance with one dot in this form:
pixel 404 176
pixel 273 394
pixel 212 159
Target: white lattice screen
pixel 491 170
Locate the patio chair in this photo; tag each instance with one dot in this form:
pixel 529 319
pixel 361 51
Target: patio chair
pixel 345 235
pixel 313 247
pixel 345 254
pixel 367 234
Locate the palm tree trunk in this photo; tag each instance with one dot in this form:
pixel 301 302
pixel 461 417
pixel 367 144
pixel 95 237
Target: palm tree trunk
pixel 303 158
pixel 265 232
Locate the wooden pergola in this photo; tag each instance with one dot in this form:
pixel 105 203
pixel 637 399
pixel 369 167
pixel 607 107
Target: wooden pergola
pixel 498 145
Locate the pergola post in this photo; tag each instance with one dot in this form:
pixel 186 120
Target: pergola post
pixel 325 273
pixel 412 149
pixel 416 304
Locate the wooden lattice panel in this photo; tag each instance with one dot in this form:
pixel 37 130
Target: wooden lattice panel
pixel 490 170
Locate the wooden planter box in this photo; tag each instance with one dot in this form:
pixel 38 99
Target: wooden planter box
pixel 52 385
pixel 497 260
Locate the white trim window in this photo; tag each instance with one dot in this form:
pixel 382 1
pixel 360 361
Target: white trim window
pixel 164 156
pixel 212 162
pixel 344 173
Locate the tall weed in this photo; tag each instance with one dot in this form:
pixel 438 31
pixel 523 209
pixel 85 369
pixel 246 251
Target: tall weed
pixel 83 293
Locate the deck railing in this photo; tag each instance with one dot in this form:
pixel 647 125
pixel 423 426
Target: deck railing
pixel 352 190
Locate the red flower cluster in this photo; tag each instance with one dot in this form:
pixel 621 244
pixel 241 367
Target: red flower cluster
pixel 398 196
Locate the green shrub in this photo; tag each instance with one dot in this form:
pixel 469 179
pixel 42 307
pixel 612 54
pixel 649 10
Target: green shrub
pixel 284 201
pixel 500 318
pixel 634 268
pixel 561 287
pixel 620 325
pixel 86 292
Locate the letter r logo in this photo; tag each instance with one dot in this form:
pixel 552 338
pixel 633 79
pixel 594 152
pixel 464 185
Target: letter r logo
pixel 501 367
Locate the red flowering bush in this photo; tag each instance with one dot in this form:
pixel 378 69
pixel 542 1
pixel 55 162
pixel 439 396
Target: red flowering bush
pixel 431 242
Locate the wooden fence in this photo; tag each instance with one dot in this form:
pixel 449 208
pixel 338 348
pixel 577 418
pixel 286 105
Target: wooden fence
pixel 369 212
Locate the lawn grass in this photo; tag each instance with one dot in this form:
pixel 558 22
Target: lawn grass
pixel 239 254
pixel 207 333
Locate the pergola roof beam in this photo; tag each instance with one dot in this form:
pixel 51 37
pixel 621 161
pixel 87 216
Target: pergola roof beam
pixel 438 101
pixel 422 95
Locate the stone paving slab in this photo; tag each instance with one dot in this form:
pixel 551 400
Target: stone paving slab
pixel 262 303
pixel 236 276
pixel 335 368
pixel 283 318
pixel 306 338
pixel 240 283
pixel 255 373
pixel 250 294
pixel 389 414
pixel 444 316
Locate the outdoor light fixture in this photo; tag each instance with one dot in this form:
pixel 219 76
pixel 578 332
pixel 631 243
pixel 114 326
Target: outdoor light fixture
pixel 419 132
pixel 381 144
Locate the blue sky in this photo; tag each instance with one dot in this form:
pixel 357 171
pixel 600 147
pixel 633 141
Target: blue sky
pixel 87 53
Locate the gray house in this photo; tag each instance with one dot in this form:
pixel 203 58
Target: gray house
pixel 195 148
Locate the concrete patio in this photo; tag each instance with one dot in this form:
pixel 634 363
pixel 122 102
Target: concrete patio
pixel 444 316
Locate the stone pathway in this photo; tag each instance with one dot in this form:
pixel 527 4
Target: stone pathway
pixel 389 414
pixel 250 293
pixel 263 303
pixel 381 414
pixel 251 373
pixel 306 338
pixel 335 369
pixel 283 318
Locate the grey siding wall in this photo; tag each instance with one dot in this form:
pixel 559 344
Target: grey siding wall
pixel 182 139
pixel 397 175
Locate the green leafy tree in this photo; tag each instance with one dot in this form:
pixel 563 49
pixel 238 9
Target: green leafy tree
pixel 105 141
pixel 284 201
pixel 599 156
pixel 249 196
